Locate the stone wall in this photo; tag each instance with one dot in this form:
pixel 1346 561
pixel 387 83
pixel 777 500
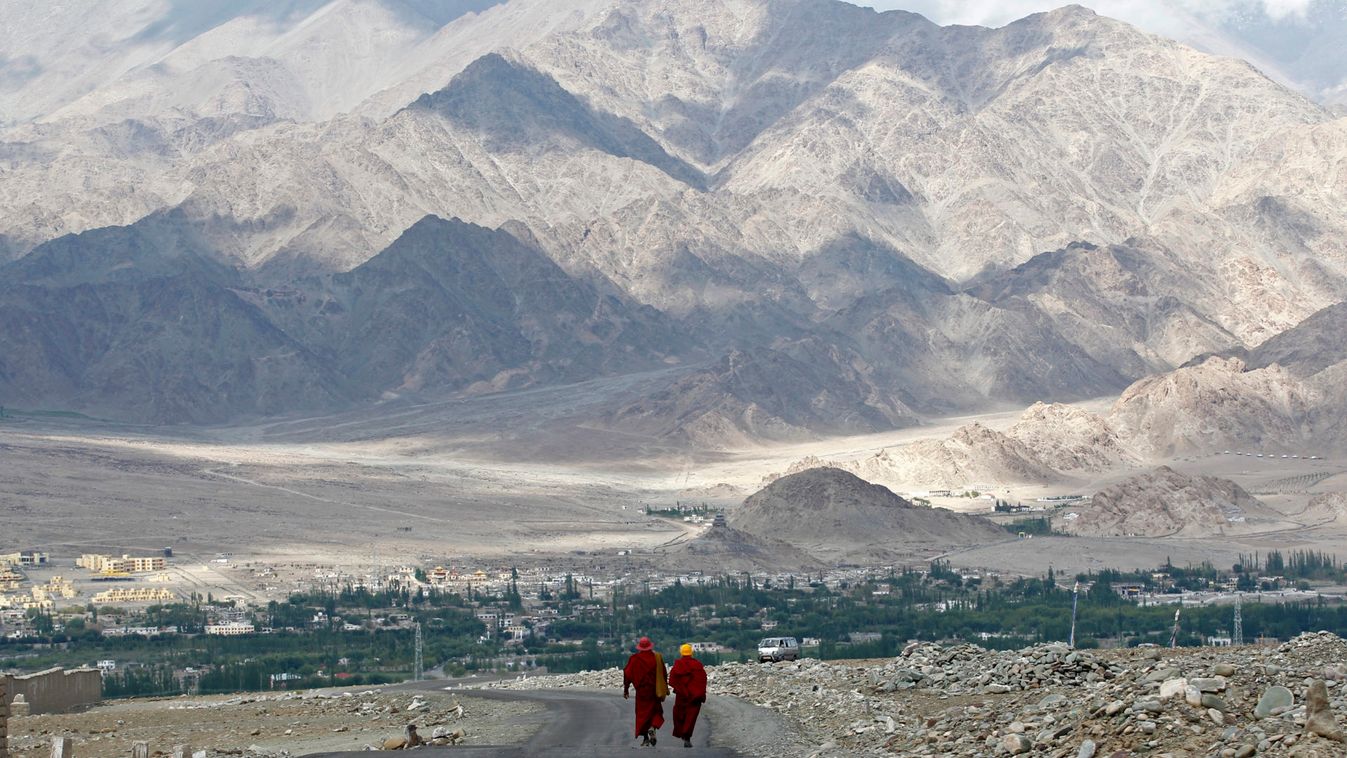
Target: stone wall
pixel 55 690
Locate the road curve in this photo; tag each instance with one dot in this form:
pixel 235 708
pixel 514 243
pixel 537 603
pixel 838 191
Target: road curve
pixel 576 723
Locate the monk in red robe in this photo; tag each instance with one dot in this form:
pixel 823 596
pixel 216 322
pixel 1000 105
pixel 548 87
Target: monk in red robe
pixel 645 673
pixel 687 679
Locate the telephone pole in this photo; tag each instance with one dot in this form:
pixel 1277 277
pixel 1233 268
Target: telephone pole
pixel 418 666
pixel 1075 598
pixel 4 719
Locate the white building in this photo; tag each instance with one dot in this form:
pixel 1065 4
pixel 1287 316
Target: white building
pixel 230 629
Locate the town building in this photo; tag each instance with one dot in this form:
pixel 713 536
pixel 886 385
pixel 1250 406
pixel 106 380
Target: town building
pixel 230 629
pixel 126 564
pixel 28 558
pixel 134 595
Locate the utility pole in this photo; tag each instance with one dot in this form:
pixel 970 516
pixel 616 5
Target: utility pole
pixel 4 717
pixel 1174 635
pixel 419 664
pixel 1075 599
pixel 1238 636
pixel 376 569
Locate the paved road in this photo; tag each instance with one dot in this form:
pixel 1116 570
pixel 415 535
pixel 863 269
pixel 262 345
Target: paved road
pixel 578 723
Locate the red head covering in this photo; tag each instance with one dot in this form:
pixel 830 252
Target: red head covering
pixel 644 644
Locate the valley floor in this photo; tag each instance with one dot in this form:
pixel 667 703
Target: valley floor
pixel 516 477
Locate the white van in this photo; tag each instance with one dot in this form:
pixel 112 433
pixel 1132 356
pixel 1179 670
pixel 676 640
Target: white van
pixel 778 649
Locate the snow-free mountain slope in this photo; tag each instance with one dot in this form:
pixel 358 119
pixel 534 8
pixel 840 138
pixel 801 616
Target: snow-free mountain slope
pixel 1309 347
pixel 973 453
pixel 1216 405
pixel 1070 439
pixel 103 60
pixel 136 323
pixel 451 305
pixel 838 219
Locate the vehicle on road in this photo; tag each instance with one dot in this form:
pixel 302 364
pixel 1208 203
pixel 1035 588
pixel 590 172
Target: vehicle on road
pixel 778 649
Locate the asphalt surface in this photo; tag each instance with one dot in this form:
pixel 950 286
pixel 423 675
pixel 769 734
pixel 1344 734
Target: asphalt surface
pixel 577 723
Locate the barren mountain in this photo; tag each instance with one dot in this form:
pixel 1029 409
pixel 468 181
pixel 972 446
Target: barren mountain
pixel 1284 394
pixel 777 394
pixel 847 211
pixel 973 454
pixel 1137 306
pixel 1165 502
pixel 1324 510
pixel 1308 347
pixel 137 323
pixel 453 305
pixel 1216 405
pixel 1069 439
pixel 834 515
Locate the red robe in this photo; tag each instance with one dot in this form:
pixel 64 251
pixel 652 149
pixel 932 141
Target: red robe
pixel 687 679
pixel 640 674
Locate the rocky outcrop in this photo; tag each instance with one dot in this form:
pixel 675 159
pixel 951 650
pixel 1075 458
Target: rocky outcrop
pixel 972 454
pixel 1069 439
pixel 1163 503
pixel 1216 405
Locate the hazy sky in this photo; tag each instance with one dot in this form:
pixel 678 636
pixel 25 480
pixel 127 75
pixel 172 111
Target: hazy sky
pixel 1163 16
pixel 1302 43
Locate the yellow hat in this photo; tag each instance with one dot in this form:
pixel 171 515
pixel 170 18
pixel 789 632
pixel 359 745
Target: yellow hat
pixel 685 650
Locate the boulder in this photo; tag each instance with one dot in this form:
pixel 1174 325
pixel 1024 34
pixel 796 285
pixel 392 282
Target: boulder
pixel 1319 717
pixel 1016 744
pixel 1209 684
pixel 1172 687
pixel 1192 696
pixel 1273 698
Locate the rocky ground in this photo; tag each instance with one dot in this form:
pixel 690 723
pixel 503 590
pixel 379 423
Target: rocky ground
pixel 1049 700
pixel 276 724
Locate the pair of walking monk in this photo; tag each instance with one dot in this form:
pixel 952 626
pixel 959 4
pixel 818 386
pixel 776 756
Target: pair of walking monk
pixel 645 673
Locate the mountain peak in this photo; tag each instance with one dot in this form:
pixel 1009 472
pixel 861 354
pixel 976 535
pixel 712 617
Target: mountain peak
pixel 516 107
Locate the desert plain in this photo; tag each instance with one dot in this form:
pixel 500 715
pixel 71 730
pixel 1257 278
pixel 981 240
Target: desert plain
pixel 527 478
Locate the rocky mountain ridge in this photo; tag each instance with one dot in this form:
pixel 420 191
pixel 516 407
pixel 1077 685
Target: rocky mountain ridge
pixel 853 235
pixel 448 306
